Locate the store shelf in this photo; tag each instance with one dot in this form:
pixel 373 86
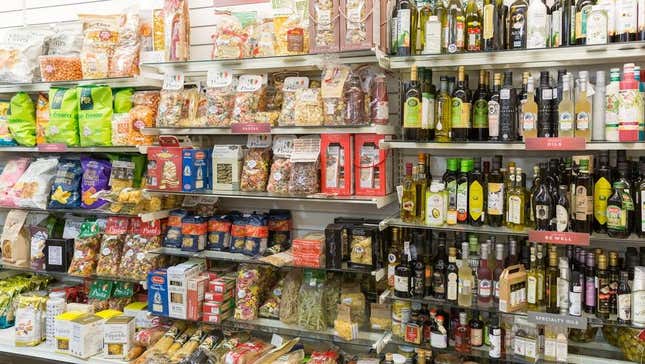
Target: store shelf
pixel 490 230
pixel 368 129
pixel 65 275
pixel 305 62
pixel 71 150
pixel 144 216
pixel 136 82
pixel 378 201
pixel 614 53
pixel 500 147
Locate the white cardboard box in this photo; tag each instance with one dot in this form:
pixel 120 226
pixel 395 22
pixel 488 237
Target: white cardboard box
pixel 87 336
pixel 118 336
pixel 178 277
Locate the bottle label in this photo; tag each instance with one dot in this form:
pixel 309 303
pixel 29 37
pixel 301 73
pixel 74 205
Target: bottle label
pixel 495 345
pixel 518 29
pixel 495 199
pixel 638 307
pixel 460 36
pixel 460 114
pixel 412 113
pixel 604 296
pixel 590 291
pixel 531 295
pixel 582 121
pixel 627 16
pixel 452 194
pixel 489 28
pixel 401 284
pixel 427 111
pixel 480 119
pixel 625 307
pixel 537 30
pixel 476 200
pixel 493 118
pixel 601 193
pixel 597 27
pixel 462 201
pixel 452 286
pixel 514 209
pixel 476 337
pixel 556 28
pixel 394 38
pixel 563 293
pixel 439 340
pixel 629 109
pixel 549 349
pixel 581 21
pixel 403 28
pixel 474 36
pixel 566 121
pixel 528 120
pixel 484 288
pixel 496 289
pixel 435 214
pixel 382 110
pixel 561 218
pixel 438 283
pixel 540 284
pixel 616 218
pixel 581 203
pixel 542 212
pixel 575 303
pixel 628 203
pixel 464 287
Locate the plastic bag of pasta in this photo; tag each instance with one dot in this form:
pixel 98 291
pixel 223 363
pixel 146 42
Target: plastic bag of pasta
pixel 255 170
pixel 86 247
pixel 248 99
pixel 311 300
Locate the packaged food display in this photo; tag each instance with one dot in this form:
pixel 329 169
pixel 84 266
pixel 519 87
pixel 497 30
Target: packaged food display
pixel 266 39
pixel 248 292
pixel 60 68
pixel 95 115
pixel 19 52
pixel 96 177
pixel 125 59
pixel 289 88
pixel 356 24
pixel 194 232
pixel 354 100
pixel 248 98
pixel 227 167
pixel 85 250
pixel 65 190
pixel 173 236
pixel 109 255
pixel 37 252
pixel 308 107
pixel 304 166
pixel 165 167
pixel 100 37
pixel 333 81
pixel 219 233
pixel 33 187
pixel 142 115
pixel 311 312
pixel 220 98
pixel 11 173
pixel 176 30
pixel 63 117
pixel 21 119
pixel 280 228
pixel 30 314
pixel 372 166
pixel 255 170
pixel 177 108
pixel 325 26
pixel 256 234
pixel 229 40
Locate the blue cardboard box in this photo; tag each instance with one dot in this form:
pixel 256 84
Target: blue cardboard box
pixel 195 170
pixel 158 292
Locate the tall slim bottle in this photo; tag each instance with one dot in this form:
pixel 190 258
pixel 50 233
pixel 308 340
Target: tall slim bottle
pixel 412 107
pixel 582 222
pixel 476 195
pixel 421 186
pixel 612 105
pixel 603 303
pixel 492 33
pixel 529 111
pixel 532 283
pixel 563 284
pixel 494 109
pixel 629 106
pixel 556 24
pixel 601 193
pixel 537 25
pixel 517 18
pixel 462 192
pixel 450 180
pixel 428 107
pixel 545 106
pixel 599 106
pixel 466 279
pixel 479 130
pixel 566 120
pixel 495 194
pixel 583 12
pixel 551 284
pixel 508 108
pixel 456 27
pixel 626 20
pixel 406 15
pixel 409 197
pixel 484 278
pixel 590 283
pixel 439 270
pixel 460 113
pixel 473 27
pixel 583 111
pixel 443 128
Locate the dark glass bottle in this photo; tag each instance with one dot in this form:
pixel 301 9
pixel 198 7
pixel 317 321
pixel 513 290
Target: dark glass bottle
pixel 493 108
pixel 403 274
pixel 618 226
pixel 544 207
pixel 545 106
pixel 590 283
pixel 568 22
pixel 562 209
pixel 639 204
pixel 493 27
pixel 623 176
pixel 495 194
pixel 614 281
pixel 603 305
pixel 476 330
pixel 412 107
pixel 429 95
pixel 601 193
pixel 508 108
pixel 439 270
pixel 476 195
pixel 582 222
pixel 451 279
pixel 460 113
pixel 406 26
pixel 624 294
pixel 450 181
pixel 479 130
pixel 551 284
pixel 517 24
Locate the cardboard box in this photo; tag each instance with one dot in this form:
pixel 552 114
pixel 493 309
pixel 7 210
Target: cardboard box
pixel 226 168
pixel 87 336
pixel 372 166
pixel 195 170
pixel 178 277
pixel 196 289
pixel 158 292
pixel 336 172
pixel 63 330
pixel 215 318
pixel 165 167
pixel 217 307
pixel 139 310
pixel 218 296
pixel 222 284
pixel 118 336
pixel 513 289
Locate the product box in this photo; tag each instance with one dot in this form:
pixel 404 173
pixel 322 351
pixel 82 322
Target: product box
pixel 334 236
pixel 217 307
pixel 226 167
pixel 158 292
pixel 222 284
pixel 336 173
pixel 178 277
pixel 63 330
pixel 142 318
pixel 372 166
pixel 165 166
pixel 195 170
pixel 58 254
pixel 324 27
pixel 357 25
pixel 513 289
pixel 87 336
pixel 196 289
pixel 218 296
pixel 216 318
pixel 118 336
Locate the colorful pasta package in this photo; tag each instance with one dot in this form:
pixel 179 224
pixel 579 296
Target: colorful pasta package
pixel 304 169
pixel 281 166
pixel 332 85
pixel 266 39
pixel 248 99
pixel 228 38
pixel 308 107
pixel 324 29
pixel 100 293
pixel 176 30
pixel 142 115
pixel 86 246
pixel 291 85
pixel 248 290
pixel 96 178
pixel 220 98
pixel 255 170
pixel 356 24
pixel 311 299
pixel 109 257
pixel 177 108
pixel 66 189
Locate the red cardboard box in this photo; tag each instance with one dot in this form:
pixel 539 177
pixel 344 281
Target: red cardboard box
pixel 217 307
pixel 373 166
pixel 165 165
pixel 336 175
pixel 222 284
pixel 195 297
pixel 215 318
pixel 218 296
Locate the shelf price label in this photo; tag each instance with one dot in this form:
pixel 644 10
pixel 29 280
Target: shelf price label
pixel 251 128
pixel 555 237
pixel 58 147
pixel 543 318
pixel 563 143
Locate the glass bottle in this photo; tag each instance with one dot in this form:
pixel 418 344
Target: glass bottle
pixel 406 13
pixel 516 203
pixel 443 127
pixel 583 12
pixel 532 283
pixel 537 25
pixel 476 193
pixel 439 271
pixel 466 279
pixel 582 109
pixel 460 112
pixel 612 105
pixel 556 24
pixel 551 284
pixel 545 106
pixel 450 180
pixel 421 187
pixel 617 214
pixel 439 336
pixel 627 20
pixel 517 24
pixel 476 330
pixel 412 107
pixel 629 106
pixel 379 107
pixel 541 275
pixel 562 209
pixel 495 194
pixel 529 111
pixel 508 108
pixel 393 255
pixel 590 283
pixel 484 277
pixel 479 129
pixel 582 222
pixel 493 108
pixel 456 27
pixel 614 281
pixel 452 274
pixel 425 11
pixel 473 27
pixel 624 299
pixel 462 334
pixel 566 121
pixel 603 304
pixel 403 274
pixel 442 13
pixel 492 33
pixel 462 192
pixel 563 283
pixel 543 207
pixel 409 196
pixel 601 193
pixel 640 207
pixel 428 96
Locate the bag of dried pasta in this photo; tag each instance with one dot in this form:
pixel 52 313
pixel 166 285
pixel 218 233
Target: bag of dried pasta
pixel 266 39
pixel 324 28
pixel 288 310
pixel 309 107
pixel 176 30
pixel 86 247
pixel 125 59
pixel 255 170
pixel 332 86
pixel 289 88
pixel 281 166
pixel 220 98
pixel 228 38
pixel 311 300
pixel 248 98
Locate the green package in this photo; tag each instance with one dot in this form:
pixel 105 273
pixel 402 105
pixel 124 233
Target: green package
pixel 63 117
pixel 21 119
pixel 95 115
pixel 123 100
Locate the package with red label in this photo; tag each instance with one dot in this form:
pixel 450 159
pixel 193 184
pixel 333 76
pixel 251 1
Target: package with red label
pixel 217 307
pixel 219 233
pixel 218 296
pixel 373 166
pixel 195 170
pixel 193 232
pixel 216 318
pixel 221 288
pixel 336 174
pixel 309 250
pixel 324 357
pixel 165 168
pixel 195 297
pixel 173 231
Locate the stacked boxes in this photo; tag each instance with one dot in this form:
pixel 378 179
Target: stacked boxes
pixel 218 299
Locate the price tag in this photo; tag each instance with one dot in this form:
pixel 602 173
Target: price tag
pixel 543 318
pixel 251 128
pixel 219 78
pixel 560 143
pixel 258 141
pixel 250 83
pixel 173 80
pixel 59 147
pixel 555 237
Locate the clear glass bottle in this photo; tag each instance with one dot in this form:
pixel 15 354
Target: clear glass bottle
pixel 529 110
pixel 466 279
pixel 443 114
pixel 537 25
pixel 409 196
pixel 582 108
pixel 484 278
pixel 462 334
pixel 566 110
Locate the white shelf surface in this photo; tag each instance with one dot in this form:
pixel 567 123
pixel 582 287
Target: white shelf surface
pixel 41 86
pixel 367 129
pixel 19 149
pixel 145 216
pixel 528 58
pixel 496 146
